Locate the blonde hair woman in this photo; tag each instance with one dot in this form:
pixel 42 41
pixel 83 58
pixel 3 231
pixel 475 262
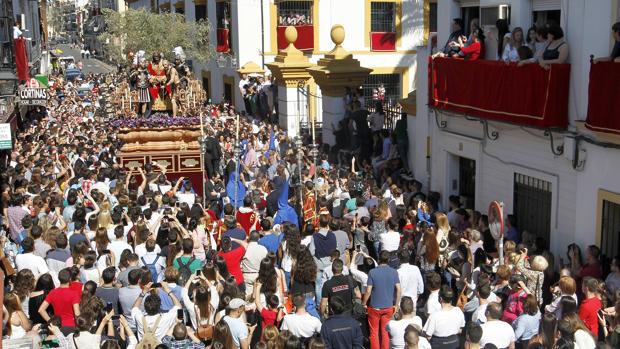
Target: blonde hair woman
pixel 443 229
pixel 105 217
pixel 511 53
pixel 18 323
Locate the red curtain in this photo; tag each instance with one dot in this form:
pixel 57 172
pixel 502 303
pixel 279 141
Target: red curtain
pixel 21 59
pixel 305 37
pixel 604 98
pixel 527 95
pixel 380 41
pixel 222 40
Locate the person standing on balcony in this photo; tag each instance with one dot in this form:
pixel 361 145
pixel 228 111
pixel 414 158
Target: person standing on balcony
pixel 511 51
pixel 556 51
pixel 615 52
pixel 455 37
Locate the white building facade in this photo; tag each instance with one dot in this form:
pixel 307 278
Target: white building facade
pixel 564 191
pixel 382 34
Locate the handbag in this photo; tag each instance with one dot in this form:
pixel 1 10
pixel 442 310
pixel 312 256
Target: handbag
pixel 203 332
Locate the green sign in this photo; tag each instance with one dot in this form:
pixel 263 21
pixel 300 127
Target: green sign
pixel 5 136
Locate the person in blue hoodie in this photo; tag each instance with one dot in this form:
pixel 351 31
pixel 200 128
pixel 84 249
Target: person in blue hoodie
pixel 285 212
pixel 235 200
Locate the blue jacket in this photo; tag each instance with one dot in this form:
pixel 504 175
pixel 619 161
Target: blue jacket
pixel 342 331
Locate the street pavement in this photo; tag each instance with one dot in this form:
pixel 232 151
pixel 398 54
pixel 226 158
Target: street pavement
pixel 91 65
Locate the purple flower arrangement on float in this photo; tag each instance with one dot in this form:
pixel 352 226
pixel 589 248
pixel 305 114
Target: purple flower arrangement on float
pixel 156 120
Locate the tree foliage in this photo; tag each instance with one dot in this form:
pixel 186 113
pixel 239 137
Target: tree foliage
pixel 135 30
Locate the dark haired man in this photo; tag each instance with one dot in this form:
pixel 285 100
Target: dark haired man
pixel 270 239
pixel 108 291
pixel 127 295
pixel 64 300
pixel 443 326
pixel 154 319
pixel 496 331
pixel 321 246
pixel 232 230
pixel 187 258
pixel 28 260
pixel 233 257
pixel 383 298
pixel 340 330
pixel 301 323
pixel 411 281
pixel 341 286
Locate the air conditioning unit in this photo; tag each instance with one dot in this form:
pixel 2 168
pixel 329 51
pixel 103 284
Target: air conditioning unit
pixel 490 15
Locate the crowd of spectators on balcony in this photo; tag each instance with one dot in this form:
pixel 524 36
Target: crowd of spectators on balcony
pixel 295 18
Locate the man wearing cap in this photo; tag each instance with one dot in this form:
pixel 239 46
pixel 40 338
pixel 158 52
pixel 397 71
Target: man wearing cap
pixel 238 329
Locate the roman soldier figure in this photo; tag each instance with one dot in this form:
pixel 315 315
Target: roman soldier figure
pixel 140 79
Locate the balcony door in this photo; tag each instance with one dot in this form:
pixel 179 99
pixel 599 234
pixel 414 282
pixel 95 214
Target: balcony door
pixel 299 14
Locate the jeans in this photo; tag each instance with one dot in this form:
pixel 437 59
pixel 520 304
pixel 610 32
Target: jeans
pixel 377 320
pixel 318 286
pixel 377 247
pixel 311 305
pixel 287 278
pixel 403 147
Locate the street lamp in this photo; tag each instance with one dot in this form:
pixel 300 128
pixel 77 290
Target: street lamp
pixel 300 155
pixel 8 83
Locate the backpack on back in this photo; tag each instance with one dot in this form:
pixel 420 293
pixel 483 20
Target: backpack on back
pixel 184 272
pixel 152 268
pixel 149 339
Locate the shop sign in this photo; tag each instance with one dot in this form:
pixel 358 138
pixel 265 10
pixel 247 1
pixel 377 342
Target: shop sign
pixel 33 96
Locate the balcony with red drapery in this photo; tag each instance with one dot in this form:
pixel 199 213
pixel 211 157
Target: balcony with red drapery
pixel 528 95
pixel 305 37
pixel 222 40
pixel 604 98
pixel 382 41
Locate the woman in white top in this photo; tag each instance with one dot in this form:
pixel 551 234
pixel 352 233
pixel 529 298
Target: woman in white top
pixel 571 327
pixel 206 299
pixel 511 53
pixel 288 251
pixel 566 287
pixel 443 326
pixel 19 323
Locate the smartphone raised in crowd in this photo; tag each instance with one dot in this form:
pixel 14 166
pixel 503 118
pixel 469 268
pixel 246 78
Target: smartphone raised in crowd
pixel 198 272
pixel 180 314
pixel 108 307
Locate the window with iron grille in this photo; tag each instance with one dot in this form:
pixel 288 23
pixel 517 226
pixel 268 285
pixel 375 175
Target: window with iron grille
pixel 382 17
pixel 467 181
pixel 206 85
pixel 610 228
pixel 295 12
pixel 532 205
pixel 389 82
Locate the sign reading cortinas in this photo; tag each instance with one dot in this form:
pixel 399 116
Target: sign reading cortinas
pixel 33 96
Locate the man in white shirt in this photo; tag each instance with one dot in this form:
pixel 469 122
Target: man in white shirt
pixel 238 329
pixel 301 323
pixel 153 261
pixel 118 245
pixel 444 325
pixel 141 249
pixel 28 260
pixel 483 293
pixel 250 264
pixel 396 328
pixel 433 283
pixel 411 282
pixel 495 331
pixel 390 240
pixel 152 304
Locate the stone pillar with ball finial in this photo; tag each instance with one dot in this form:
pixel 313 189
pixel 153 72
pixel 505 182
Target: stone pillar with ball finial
pixel 334 73
pixel 290 71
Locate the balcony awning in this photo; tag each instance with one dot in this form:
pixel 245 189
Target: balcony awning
pixel 527 95
pixel 604 98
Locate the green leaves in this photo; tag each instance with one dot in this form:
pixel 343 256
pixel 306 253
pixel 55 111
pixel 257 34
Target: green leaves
pixel 135 30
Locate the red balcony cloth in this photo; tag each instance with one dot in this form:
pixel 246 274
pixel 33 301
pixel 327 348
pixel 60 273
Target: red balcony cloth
pixel 380 41
pixel 21 60
pixel 604 98
pixel 305 37
pixel 527 95
pixel 222 40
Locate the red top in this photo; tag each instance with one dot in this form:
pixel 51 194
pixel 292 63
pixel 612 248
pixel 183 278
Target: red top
pixel 592 270
pixel 76 286
pixel 269 317
pixel 473 51
pixel 588 314
pixel 62 300
pixel 247 220
pixel 233 262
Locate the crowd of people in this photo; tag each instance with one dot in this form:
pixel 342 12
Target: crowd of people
pixel 282 251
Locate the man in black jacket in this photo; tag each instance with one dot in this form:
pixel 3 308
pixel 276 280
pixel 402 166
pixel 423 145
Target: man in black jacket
pixel 340 330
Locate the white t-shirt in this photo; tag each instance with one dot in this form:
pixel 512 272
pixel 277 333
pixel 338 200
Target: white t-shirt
pixel 141 249
pixel 396 330
pixel 390 241
pixel 33 262
pixel 304 325
pixel 497 332
pixel 188 198
pixel 583 340
pixel 479 314
pixel 411 282
pixel 117 247
pixel 168 319
pixel 432 304
pixel 445 323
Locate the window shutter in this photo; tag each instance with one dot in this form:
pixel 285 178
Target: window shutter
pixel 546 5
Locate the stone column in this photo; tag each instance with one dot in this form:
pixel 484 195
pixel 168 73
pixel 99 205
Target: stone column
pixel 290 70
pixel 334 73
